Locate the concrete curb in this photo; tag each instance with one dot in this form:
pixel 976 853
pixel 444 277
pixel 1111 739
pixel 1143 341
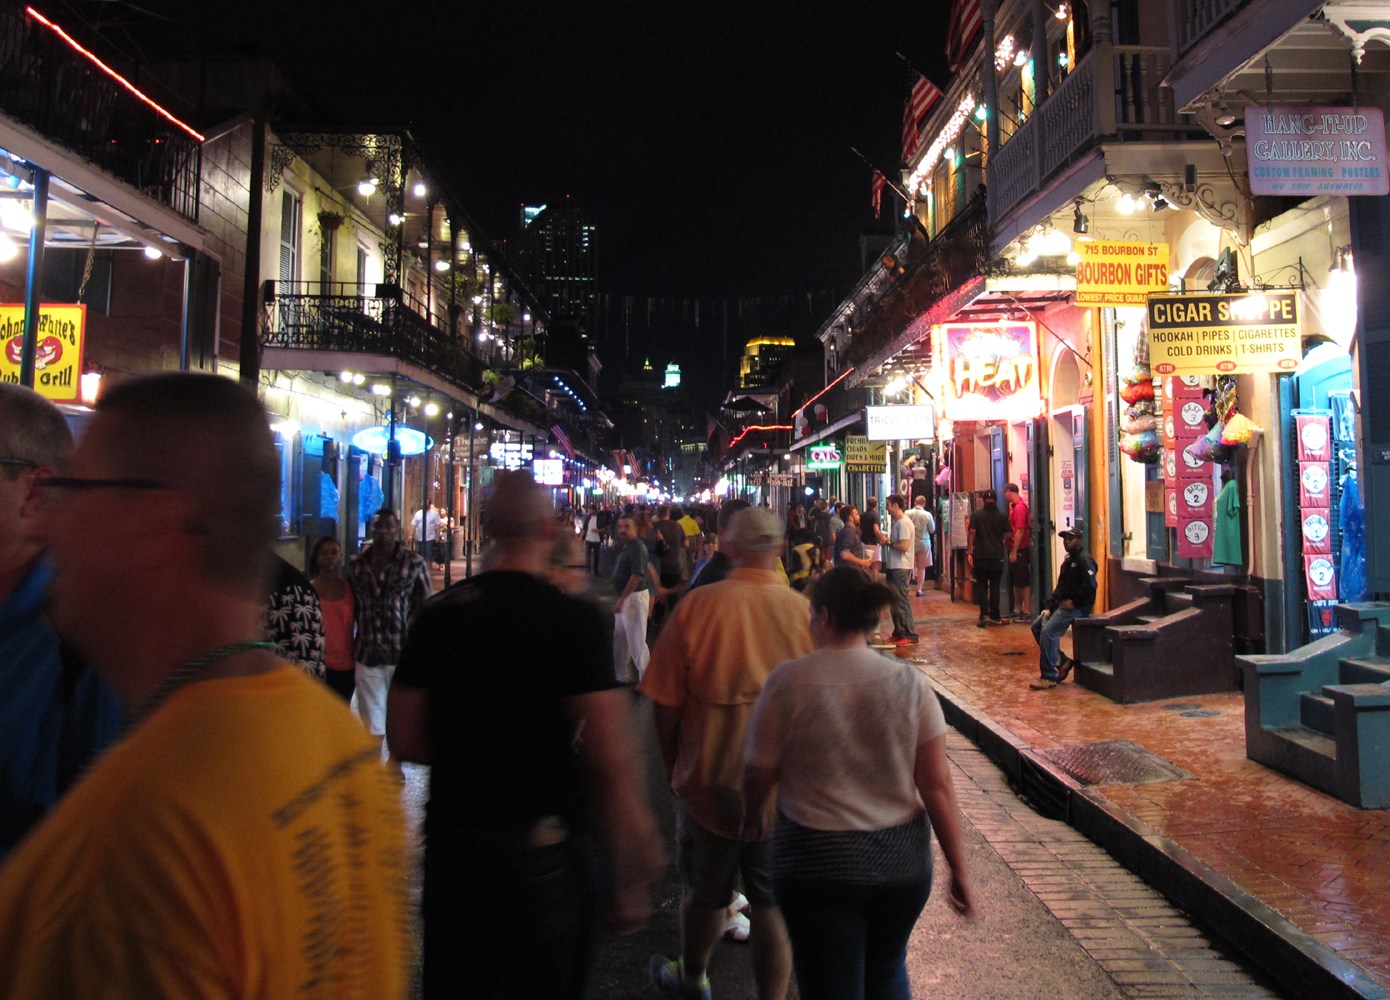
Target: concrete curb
pixel 1295 961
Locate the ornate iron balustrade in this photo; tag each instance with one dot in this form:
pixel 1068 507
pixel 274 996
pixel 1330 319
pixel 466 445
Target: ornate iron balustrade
pixel 367 324
pixel 48 86
pixel 1197 17
pixel 1113 94
pixel 958 254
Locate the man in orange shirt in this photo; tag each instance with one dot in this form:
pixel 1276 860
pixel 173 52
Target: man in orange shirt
pixel 243 838
pixel 710 662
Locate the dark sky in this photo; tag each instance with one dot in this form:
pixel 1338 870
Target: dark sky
pixel 710 142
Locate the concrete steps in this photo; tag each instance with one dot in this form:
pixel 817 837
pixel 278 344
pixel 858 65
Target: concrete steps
pixel 1177 642
pixel 1321 713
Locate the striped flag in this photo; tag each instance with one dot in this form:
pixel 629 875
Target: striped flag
pixel 879 181
pixel 965 24
pixel 558 433
pixel 921 95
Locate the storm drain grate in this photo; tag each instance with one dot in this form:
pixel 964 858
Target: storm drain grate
pixel 1113 762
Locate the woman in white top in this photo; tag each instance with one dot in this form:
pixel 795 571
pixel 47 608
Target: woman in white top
pixel 854 744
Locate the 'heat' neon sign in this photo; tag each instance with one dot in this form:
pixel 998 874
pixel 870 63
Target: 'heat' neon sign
pixel 991 370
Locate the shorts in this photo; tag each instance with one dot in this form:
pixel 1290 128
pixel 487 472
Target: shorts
pixel 921 559
pixel 874 552
pixel 708 864
pixel 1021 569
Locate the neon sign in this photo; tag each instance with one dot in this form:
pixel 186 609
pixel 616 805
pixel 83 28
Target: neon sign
pixel 823 456
pixel 376 440
pixel 991 370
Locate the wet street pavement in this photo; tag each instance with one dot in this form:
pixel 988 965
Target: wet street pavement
pixel 1058 915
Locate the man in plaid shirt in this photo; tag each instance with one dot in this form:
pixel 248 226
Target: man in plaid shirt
pixel 389 583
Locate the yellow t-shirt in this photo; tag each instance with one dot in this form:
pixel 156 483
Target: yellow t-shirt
pixel 711 661
pixel 243 841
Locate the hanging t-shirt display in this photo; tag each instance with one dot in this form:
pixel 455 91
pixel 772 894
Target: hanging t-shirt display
pixel 1195 473
pixel 1313 449
pixel 1226 545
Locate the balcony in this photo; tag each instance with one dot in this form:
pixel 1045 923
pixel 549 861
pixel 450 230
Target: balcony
pixel 46 84
pixel 1114 94
pixel 374 320
pixel 958 254
pixel 1194 18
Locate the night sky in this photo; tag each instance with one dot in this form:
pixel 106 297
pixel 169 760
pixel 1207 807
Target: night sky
pixel 710 142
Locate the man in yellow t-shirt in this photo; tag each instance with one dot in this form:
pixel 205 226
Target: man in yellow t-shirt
pixel 708 666
pixel 243 839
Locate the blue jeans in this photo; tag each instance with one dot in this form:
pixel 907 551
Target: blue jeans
pixel 901 607
pixel 1049 631
pixel 849 941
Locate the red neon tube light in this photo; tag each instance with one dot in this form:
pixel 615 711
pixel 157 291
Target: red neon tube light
pixel 108 70
pixel 818 395
pixel 759 427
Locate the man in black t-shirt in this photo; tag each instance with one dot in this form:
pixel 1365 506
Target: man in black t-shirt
pixel 532 758
pixel 988 528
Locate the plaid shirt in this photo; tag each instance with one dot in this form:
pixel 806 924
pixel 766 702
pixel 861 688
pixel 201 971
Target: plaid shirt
pixel 386 601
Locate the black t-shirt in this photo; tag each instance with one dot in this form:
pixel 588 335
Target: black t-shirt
pixel 672 537
pixel 990 525
pixel 502 743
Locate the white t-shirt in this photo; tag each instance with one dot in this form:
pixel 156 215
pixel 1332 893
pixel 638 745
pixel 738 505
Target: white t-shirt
pixel 923 525
pixel 431 524
pixel 841 727
pixel 900 530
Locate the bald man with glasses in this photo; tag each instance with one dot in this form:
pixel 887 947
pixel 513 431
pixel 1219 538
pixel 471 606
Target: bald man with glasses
pixel 55 713
pixel 242 838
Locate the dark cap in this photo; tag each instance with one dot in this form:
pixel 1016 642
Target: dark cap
pixel 989 495
pixel 1068 534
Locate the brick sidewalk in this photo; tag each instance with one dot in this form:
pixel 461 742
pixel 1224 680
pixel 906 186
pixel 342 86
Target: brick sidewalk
pixel 1317 863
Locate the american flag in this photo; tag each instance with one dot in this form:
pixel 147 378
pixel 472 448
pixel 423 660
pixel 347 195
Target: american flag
pixel 563 439
pixel 921 95
pixel 965 24
pixel 879 181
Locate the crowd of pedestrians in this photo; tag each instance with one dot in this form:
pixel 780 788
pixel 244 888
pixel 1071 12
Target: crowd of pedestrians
pixel 192 811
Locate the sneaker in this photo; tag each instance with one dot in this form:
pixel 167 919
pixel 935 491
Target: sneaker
pixel 737 928
pixel 1043 685
pixel 1023 619
pixel 997 621
pixel 906 640
pixel 665 976
pixel 921 593
pixel 1064 671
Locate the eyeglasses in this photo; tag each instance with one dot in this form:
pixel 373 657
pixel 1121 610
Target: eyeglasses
pixel 77 484
pixel 22 463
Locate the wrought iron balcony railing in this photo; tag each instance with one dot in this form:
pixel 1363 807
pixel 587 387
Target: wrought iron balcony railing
pixel 354 319
pixel 1114 94
pixel 958 254
pixel 1194 18
pixel 49 86
pixel 347 319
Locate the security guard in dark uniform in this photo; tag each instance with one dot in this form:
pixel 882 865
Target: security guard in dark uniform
pixel 1072 598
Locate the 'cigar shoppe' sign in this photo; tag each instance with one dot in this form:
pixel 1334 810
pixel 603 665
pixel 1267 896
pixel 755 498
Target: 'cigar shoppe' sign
pixel 1237 334
pixel 991 370
pixel 57 349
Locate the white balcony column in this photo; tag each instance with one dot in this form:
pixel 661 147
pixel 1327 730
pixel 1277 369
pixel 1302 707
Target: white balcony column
pixel 1042 79
pixel 1102 59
